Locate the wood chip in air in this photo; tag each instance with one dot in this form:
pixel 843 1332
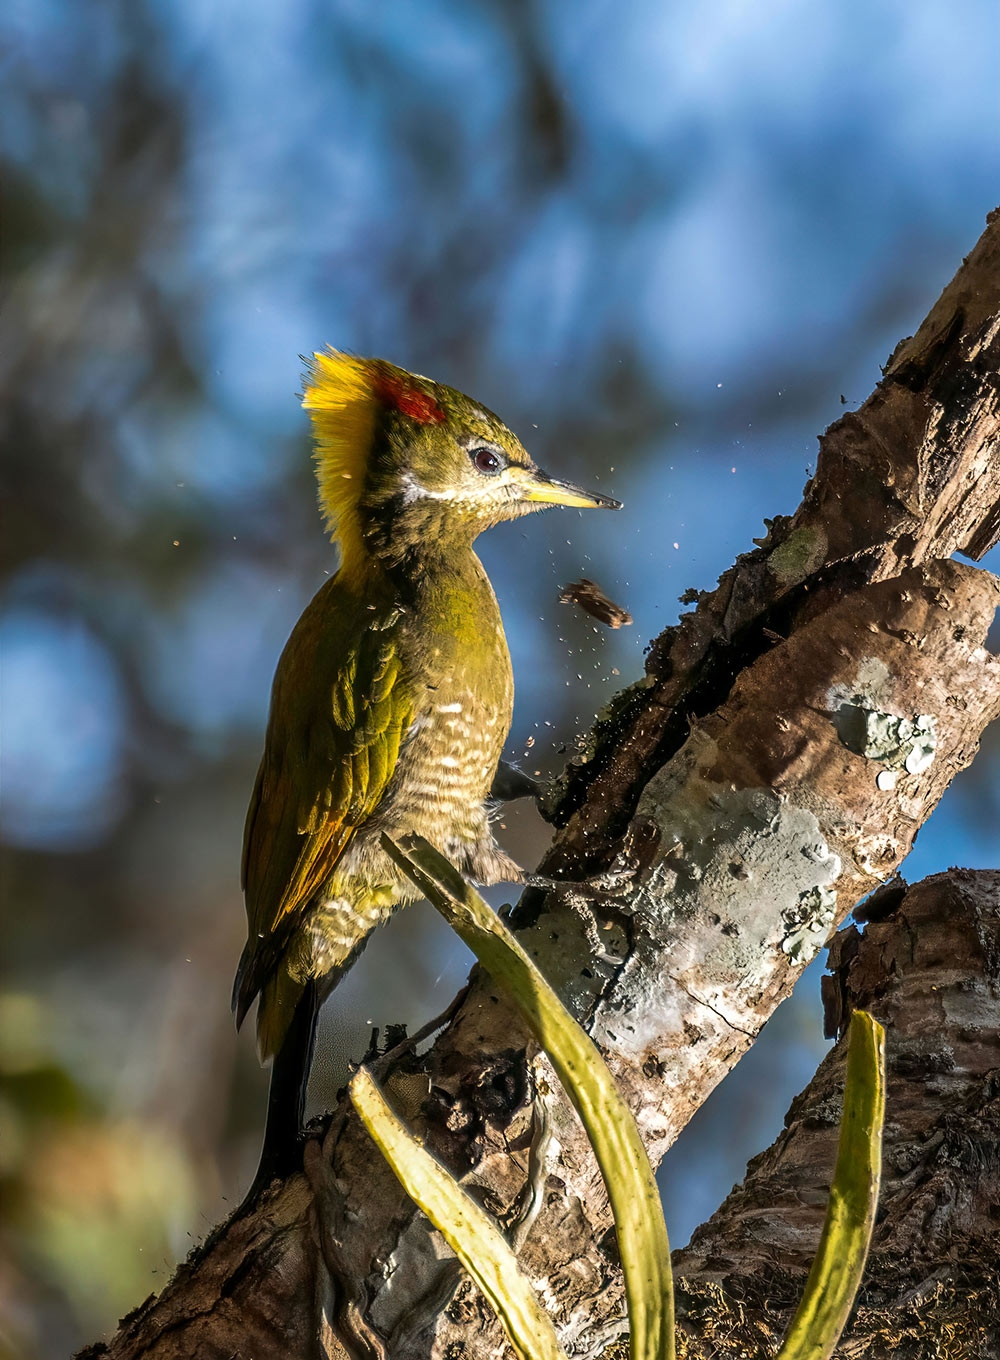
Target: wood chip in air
pixel 591 598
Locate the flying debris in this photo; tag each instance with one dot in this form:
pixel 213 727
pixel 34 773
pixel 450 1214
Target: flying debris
pixel 592 599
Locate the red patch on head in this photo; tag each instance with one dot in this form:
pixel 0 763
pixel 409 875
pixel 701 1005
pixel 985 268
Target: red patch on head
pixel 410 401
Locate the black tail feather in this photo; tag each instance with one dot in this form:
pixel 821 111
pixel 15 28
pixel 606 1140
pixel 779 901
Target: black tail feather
pixel 281 1154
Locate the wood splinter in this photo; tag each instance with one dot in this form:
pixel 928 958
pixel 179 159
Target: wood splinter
pixel 592 599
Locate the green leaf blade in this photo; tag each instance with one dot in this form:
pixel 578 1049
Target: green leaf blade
pixel 643 1244
pixel 850 1216
pixel 468 1229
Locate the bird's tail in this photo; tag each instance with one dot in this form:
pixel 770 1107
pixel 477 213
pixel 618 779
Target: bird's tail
pixel 277 1008
pixel 286 1029
pixel 287 1013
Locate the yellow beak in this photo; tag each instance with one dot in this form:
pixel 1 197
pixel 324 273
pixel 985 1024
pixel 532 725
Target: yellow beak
pixel 537 486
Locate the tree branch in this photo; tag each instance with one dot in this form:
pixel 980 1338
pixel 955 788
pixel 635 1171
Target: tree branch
pixel 929 969
pixel 790 737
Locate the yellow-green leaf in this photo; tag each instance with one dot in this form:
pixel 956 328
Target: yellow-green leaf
pixel 850 1215
pixel 467 1228
pixel 635 1201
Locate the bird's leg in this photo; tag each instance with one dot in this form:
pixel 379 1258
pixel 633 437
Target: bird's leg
pixel 604 894
pixel 608 883
pixel 589 904
pixel 632 858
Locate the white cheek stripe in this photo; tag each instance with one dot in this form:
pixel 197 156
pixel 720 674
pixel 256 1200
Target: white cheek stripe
pixel 416 491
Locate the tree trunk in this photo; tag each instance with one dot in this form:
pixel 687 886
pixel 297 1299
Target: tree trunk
pixel 790 737
pixel 927 966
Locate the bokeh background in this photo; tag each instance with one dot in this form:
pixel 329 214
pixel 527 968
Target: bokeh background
pixel 669 242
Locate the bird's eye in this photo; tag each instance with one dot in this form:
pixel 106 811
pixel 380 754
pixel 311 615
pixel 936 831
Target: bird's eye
pixel 486 460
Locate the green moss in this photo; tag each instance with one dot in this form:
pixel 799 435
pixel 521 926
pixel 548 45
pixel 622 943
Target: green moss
pixel 802 552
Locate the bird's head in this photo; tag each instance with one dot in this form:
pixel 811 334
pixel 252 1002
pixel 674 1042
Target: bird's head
pixel 404 462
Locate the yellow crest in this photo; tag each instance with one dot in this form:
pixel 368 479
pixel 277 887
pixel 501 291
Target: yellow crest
pixel 342 400
pixel 343 395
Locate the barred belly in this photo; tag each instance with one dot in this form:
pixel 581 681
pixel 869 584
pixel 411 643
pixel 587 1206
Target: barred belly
pixel 439 791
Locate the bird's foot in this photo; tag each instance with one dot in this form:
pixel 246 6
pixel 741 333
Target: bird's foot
pixel 591 899
pixel 610 882
pixel 627 869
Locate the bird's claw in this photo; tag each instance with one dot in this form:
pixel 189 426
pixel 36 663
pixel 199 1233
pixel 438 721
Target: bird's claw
pixel 610 882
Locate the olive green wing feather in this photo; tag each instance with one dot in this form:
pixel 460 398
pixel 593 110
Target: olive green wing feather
pixel 339 716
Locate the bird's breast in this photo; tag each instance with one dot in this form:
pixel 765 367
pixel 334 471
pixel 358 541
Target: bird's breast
pixel 453 652
pixel 449 758
pixel 448 763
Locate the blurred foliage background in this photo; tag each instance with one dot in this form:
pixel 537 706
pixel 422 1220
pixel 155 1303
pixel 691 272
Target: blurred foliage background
pixel 668 242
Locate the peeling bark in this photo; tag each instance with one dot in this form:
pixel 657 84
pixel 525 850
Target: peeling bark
pixel 929 969
pixel 790 737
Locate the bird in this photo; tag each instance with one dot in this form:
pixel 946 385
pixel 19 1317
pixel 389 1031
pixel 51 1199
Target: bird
pixel 391 701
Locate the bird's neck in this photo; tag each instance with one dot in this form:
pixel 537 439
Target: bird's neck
pixel 437 572
pixel 445 585
pixel 407 555
pixel 408 537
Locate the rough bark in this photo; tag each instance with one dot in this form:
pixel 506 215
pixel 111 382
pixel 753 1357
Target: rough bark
pixel 788 740
pixel 928 966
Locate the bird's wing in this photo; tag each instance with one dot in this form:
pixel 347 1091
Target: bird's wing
pixel 338 718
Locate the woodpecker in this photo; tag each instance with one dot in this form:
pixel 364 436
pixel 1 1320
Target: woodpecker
pixel 391 702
